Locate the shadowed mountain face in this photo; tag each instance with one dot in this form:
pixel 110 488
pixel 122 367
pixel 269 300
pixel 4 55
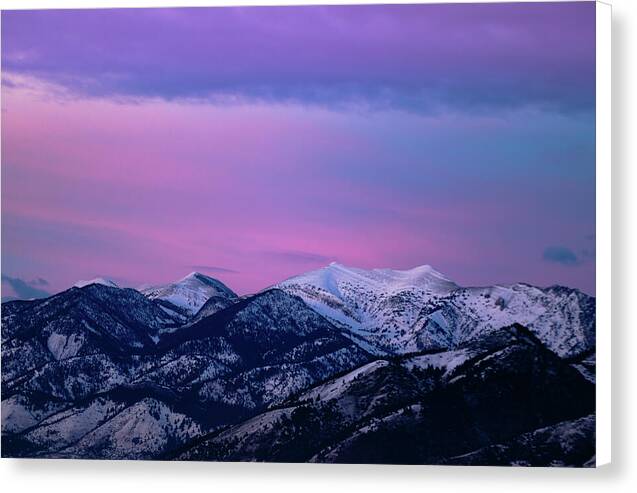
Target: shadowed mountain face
pixel 424 409
pixel 62 369
pixel 104 372
pixel 568 443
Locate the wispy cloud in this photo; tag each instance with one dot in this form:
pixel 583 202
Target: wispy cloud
pixel 213 268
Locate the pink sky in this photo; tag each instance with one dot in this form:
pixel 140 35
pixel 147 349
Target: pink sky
pixel 117 175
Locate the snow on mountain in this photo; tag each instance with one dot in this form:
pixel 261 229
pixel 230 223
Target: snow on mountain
pixel 143 431
pixel 97 280
pixel 113 373
pixel 336 388
pixel 562 318
pixel 377 306
pixel 364 300
pixel 403 311
pixel 189 293
pixel 426 410
pixel 90 372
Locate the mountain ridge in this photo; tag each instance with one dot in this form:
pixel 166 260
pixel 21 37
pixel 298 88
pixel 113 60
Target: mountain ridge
pixel 396 311
pixel 83 365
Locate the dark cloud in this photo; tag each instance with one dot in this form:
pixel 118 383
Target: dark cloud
pixel 213 268
pixel 21 289
pixel 412 57
pixel 560 255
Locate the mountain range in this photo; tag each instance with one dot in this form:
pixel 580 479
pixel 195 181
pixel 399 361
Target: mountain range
pixel 336 365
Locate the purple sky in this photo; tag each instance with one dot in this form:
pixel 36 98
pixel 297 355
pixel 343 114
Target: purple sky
pixel 252 144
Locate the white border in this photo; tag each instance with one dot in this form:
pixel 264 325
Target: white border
pixel 603 232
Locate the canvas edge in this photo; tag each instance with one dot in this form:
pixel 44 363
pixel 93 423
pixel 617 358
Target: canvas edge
pixel 603 187
pixel 603 317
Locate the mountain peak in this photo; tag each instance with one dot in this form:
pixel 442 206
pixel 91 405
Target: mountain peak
pixel 190 292
pixel 419 269
pixel 334 273
pixel 416 276
pixel 192 275
pixel 98 280
pixel 424 270
pixel 424 267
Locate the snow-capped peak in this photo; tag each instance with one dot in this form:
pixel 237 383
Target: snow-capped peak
pixel 193 275
pixel 97 280
pixel 423 275
pixel 190 292
pixel 376 306
pixel 386 280
pixel 401 311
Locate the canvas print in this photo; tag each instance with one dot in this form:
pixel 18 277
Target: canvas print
pixel 333 234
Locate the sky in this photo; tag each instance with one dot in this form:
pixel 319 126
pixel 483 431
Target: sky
pixel 253 144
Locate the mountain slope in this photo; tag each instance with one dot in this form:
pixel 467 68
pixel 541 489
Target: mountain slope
pixel 74 343
pixel 566 444
pixel 416 409
pixel 258 351
pixel 79 367
pixel 213 305
pixel 398 312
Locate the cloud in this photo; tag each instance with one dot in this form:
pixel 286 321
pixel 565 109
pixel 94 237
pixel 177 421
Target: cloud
pixel 9 83
pixel 560 255
pixel 213 268
pixel 21 289
pixel 418 58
